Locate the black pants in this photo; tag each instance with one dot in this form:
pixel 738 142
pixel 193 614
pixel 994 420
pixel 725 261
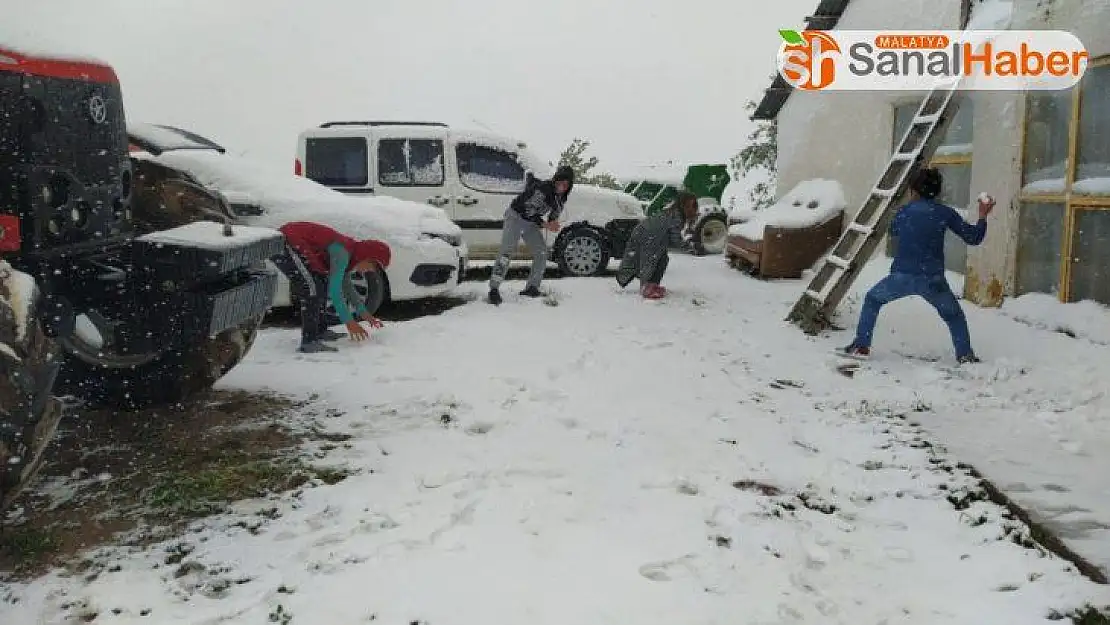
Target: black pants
pixel 309 288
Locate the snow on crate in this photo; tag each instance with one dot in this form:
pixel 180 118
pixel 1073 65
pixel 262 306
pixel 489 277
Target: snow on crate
pixel 810 203
pixel 209 235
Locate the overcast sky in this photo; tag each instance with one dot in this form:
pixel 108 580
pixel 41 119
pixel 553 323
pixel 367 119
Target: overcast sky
pixel 644 80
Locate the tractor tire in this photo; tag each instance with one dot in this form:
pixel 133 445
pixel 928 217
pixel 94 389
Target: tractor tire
pixel 29 413
pixel 164 378
pixel 710 234
pixel 582 251
pixel 163 198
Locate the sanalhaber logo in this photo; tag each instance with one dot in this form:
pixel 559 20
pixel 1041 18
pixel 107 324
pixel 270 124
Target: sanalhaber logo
pixel 985 60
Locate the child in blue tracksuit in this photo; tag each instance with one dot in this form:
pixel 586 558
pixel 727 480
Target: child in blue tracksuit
pixel 918 267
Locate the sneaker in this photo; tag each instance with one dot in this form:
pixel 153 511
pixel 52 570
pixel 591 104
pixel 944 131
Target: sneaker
pixel 494 297
pixel 531 292
pixel 653 291
pixel 328 334
pixel 315 347
pixel 857 352
pixel 968 359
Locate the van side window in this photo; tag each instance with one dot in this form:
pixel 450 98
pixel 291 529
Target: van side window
pixel 410 162
pixel 489 170
pixel 337 161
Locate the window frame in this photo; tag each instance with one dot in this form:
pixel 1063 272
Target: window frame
pixel 1073 203
pixel 513 156
pixel 412 183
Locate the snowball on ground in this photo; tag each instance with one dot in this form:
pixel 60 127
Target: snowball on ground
pixel 991 15
pixel 209 235
pixel 810 203
pixel 21 293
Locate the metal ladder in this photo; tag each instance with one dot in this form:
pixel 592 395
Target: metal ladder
pixel 840 268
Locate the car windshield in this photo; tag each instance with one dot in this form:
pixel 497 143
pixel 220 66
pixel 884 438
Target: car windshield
pixel 158 138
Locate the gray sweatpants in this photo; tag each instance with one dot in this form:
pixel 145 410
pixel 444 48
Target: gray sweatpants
pixel 515 228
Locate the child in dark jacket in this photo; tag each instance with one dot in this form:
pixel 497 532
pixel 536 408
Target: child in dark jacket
pixel 646 256
pixel 537 207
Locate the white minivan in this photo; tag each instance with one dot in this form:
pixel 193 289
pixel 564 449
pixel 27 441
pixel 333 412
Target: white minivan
pixel 473 176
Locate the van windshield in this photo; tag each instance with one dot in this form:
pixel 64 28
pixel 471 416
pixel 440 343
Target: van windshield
pixel 337 161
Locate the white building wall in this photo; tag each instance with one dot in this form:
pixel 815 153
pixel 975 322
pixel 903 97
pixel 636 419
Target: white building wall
pixel 998 145
pixel 847 136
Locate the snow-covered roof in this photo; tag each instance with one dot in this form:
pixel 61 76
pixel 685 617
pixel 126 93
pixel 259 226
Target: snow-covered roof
pixel 985 15
pixel 825 17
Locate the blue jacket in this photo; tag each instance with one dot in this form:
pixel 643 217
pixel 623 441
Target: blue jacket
pixel 920 227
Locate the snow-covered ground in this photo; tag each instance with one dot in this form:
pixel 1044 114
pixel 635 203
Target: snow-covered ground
pixel 595 458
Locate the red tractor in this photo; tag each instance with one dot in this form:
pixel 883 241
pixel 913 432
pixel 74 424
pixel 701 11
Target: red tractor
pixel 95 302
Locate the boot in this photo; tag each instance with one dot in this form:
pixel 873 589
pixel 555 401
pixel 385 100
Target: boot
pixel 494 297
pixel 315 347
pixel 327 334
pixel 531 291
pixel 857 352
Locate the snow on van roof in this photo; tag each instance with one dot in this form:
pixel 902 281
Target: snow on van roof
pixel 20 39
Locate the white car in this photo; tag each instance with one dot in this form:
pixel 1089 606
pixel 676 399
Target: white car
pixel 429 256
pixel 473 176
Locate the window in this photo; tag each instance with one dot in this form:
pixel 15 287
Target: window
pixel 489 170
pixel 337 161
pixel 953 159
pixel 1044 163
pixel 647 191
pixel 1040 233
pixel 410 162
pixel 1064 230
pixel 1092 177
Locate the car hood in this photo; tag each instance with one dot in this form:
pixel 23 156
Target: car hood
pixel 589 200
pixel 286 197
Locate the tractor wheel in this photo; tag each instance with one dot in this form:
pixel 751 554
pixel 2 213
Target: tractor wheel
pixel 163 198
pixel 29 414
pixel 710 234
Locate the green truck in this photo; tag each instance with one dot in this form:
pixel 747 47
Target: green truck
pixel 657 187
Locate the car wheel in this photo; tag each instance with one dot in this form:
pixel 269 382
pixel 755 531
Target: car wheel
pixel 372 288
pixel 710 234
pixel 581 251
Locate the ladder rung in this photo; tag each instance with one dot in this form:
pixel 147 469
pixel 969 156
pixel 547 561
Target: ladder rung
pixel 833 259
pixel 883 193
pixel 815 295
pixel 927 119
pixel 860 228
